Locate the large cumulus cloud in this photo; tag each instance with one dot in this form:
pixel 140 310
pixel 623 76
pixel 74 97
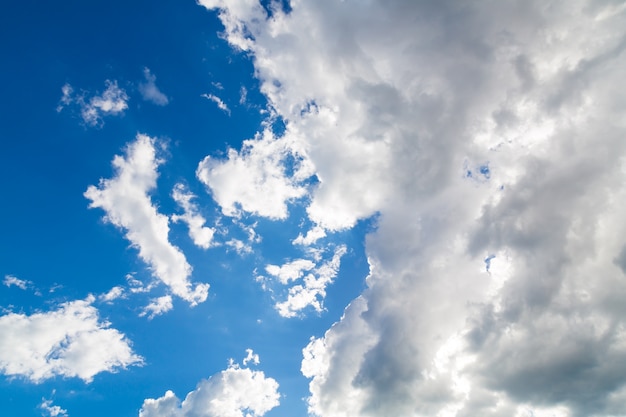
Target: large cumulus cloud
pixel 489 138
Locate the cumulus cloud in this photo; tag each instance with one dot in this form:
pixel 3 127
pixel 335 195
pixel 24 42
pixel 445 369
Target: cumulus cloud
pixel 393 102
pixel 112 102
pixel 126 201
pixel 71 341
pixel 10 280
pixel 112 295
pixel 254 179
pixel 150 92
pixel 234 392
pixel 201 235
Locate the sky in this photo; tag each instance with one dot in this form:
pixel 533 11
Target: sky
pixel 313 208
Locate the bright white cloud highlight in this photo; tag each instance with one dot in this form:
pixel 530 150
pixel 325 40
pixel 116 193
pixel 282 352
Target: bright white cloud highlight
pixel 392 101
pixel 113 101
pixel 112 295
pixel 254 180
pixel 251 357
pixel 48 409
pixel 70 342
pixel 10 280
pixel 309 289
pixel 201 235
pixel 158 306
pixel 234 392
pixel 126 201
pixel 218 101
pixel 150 92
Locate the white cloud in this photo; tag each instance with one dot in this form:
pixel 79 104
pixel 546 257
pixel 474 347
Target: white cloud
pixel 239 246
pixel 10 280
pixel 70 342
pixel 157 306
pixel 254 180
pixel 150 92
pixel 390 102
pixel 112 102
pixel 201 235
pixel 234 392
pixel 220 104
pixel 311 288
pixel 112 295
pixel 291 270
pixel 251 357
pixel 48 409
pixel 126 201
pixel 312 236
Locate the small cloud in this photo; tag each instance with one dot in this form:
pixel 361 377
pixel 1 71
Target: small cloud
pixel 243 95
pixel 157 307
pixel 49 410
pixel 113 294
pixel 112 102
pixel 241 247
pixel 220 104
pixel 150 92
pixel 201 235
pixel 311 236
pixel 251 357
pixel 10 280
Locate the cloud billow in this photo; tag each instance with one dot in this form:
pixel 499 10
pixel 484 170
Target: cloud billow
pixel 392 102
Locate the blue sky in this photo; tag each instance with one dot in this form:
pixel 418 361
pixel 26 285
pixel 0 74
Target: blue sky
pixel 324 208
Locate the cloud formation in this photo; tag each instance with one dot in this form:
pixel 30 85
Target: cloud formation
pixel 234 392
pixel 70 342
pixel 218 101
pixel 126 201
pixel 201 235
pixel 10 280
pixel 113 101
pixel 150 92
pixel 393 103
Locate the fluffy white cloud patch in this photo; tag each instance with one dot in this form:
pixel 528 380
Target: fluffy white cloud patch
pixel 113 101
pixel 113 294
pixel 126 201
pixel 201 235
pixel 158 306
pixel 51 410
pixel 150 92
pixel 255 180
pixel 10 280
pixel 309 282
pixel 70 342
pixel 234 392
pixel 393 103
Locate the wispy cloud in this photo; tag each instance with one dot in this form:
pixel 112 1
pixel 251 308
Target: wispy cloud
pixel 150 92
pixel 201 235
pixel 10 280
pixel 220 104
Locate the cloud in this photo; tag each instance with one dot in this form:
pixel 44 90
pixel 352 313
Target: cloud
pixel 392 103
pixel 48 409
pixel 150 92
pixel 251 357
pixel 112 102
pixel 157 306
pixel 310 288
pixel 126 201
pixel 234 392
pixel 113 294
pixel 201 235
pixel 254 180
pixel 70 342
pixel 10 280
pixel 220 104
pixel 312 236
